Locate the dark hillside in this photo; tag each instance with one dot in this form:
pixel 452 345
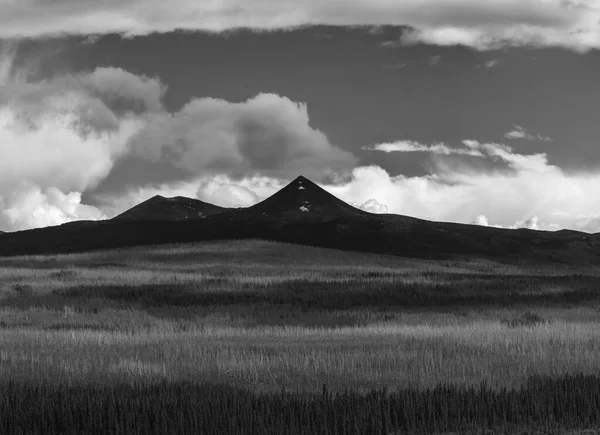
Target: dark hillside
pixel 303 213
pixel 159 208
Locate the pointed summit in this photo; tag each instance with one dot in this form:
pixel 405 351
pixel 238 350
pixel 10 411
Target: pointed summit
pixel 301 178
pixel 305 200
pixel 179 208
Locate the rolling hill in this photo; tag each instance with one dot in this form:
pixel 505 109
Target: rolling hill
pixel 304 213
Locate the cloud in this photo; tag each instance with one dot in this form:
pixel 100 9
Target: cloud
pixel 7 56
pixel 405 146
pixel 372 206
pixel 481 220
pixel 60 137
pixel 489 63
pixel 221 190
pixel 266 135
pixel 483 25
pixel 589 222
pixel 519 132
pixel 532 223
pixel 470 148
pixel 532 193
pixel 227 192
pixel 29 206
pixel 520 162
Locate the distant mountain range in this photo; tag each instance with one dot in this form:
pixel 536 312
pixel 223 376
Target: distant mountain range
pixel 304 213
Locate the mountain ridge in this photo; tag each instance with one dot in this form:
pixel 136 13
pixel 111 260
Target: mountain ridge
pixel 304 213
pixel 171 209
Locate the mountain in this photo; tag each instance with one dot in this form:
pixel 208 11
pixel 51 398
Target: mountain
pixel 302 200
pixel 159 208
pixel 304 213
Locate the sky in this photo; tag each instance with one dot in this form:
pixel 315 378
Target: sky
pixel 448 110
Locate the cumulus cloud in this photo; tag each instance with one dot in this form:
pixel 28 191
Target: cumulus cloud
pixel 372 206
pixel 481 220
pixel 30 206
pixel 405 146
pixel 61 136
pixel 480 24
pixel 266 135
pixel 519 132
pixel 533 223
pixel 470 148
pixel 532 194
pixel 227 192
pixel 58 137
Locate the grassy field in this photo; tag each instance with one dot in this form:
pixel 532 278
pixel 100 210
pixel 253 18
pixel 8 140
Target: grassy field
pixel 265 316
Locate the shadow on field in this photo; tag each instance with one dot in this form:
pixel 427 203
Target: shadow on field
pixel 379 293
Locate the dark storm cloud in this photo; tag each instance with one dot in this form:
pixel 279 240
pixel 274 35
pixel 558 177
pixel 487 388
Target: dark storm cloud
pixel 475 23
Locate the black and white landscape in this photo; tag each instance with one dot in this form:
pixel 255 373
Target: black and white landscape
pixel 299 217
pixel 304 213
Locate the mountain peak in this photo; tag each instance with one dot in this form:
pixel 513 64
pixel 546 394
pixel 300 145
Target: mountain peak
pixel 300 179
pixel 305 200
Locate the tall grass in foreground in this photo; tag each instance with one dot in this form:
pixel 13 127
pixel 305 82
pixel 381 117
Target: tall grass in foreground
pixel 543 405
pixel 203 338
pixel 303 359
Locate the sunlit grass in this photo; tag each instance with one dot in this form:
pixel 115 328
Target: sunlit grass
pixel 391 355
pixel 269 315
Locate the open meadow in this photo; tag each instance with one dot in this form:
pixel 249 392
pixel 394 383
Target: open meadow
pixel 255 320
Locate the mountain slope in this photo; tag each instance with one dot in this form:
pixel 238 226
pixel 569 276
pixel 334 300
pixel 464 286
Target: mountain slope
pixel 303 213
pixel 302 200
pixel 159 208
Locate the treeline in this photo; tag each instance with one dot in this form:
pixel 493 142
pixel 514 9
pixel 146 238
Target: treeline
pixel 543 405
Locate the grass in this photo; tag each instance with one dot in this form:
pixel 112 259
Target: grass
pixel 268 358
pixel 265 316
pixel 544 405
